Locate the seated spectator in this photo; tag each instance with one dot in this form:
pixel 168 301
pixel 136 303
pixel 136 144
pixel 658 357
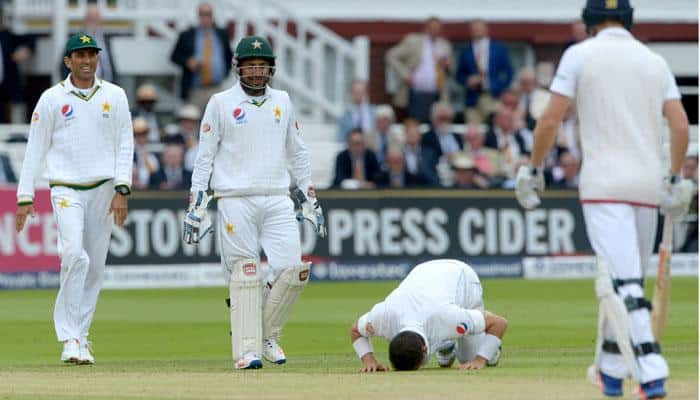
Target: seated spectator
pixel 146 163
pixel 146 99
pixel 419 160
pixel 689 242
pixel 356 167
pixel 396 175
pixel 489 162
pixel 485 71
pixel 7 174
pixel 465 173
pixel 526 90
pixel 359 114
pixel 172 175
pixel 188 117
pixel 568 177
pixel 422 62
pixel 384 134
pixel 506 138
pixel 440 137
pixel 509 99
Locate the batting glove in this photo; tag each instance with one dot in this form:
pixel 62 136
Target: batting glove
pixel 197 220
pixel 528 181
pixel 676 196
pixel 312 212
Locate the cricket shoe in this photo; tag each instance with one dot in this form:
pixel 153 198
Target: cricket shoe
pixel 272 352
pixel 652 390
pixel 610 386
pixel 86 356
pixel 249 361
pixel 71 351
pixel 446 355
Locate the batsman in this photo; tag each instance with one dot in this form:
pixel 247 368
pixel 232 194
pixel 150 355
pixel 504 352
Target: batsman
pixel 249 144
pixel 622 92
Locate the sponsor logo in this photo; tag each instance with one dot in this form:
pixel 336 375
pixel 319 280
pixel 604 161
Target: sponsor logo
pixel 35 117
pixel 304 275
pixel 369 328
pixel 239 115
pixel 67 111
pixel 249 269
pixel 462 328
pixel 206 127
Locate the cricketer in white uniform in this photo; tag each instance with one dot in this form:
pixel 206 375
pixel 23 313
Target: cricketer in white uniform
pixel 622 91
pixel 437 308
pixel 81 129
pixel 249 143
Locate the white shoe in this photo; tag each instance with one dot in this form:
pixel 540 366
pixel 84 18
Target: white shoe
pixel 272 352
pixel 86 356
pixel 446 355
pixel 249 361
pixel 70 353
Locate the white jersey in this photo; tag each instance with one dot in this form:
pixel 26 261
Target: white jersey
pixel 439 299
pixel 619 87
pixel 83 137
pixel 250 144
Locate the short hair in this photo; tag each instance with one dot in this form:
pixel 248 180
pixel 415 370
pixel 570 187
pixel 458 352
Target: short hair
pixel 384 110
pixel 406 351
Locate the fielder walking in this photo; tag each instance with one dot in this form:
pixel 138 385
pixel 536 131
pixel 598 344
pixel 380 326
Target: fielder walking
pixel 81 127
pixel 249 139
pixel 622 91
pixel 437 309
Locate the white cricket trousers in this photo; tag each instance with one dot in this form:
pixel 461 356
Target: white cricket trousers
pixel 623 235
pixel 84 227
pixel 248 223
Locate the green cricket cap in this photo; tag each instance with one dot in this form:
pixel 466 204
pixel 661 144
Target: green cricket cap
pixel 80 41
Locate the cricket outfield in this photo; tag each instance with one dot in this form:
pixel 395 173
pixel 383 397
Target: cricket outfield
pixel 174 344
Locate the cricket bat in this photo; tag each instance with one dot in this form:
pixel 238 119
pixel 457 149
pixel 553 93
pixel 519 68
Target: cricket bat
pixel 662 289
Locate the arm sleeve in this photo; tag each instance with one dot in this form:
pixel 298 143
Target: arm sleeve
pixel 565 80
pixel 396 54
pixel 297 154
pixel 672 92
pixel 209 137
pixel 459 321
pixel 125 143
pixel 38 145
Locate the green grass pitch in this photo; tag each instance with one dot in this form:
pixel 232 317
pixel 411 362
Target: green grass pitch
pixel 174 344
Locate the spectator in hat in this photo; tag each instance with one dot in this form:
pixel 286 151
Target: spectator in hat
pixel 146 99
pixel 146 163
pixel 465 173
pixel 188 117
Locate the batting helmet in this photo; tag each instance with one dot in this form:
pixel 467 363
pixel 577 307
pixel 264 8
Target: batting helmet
pixel 598 11
pixel 254 47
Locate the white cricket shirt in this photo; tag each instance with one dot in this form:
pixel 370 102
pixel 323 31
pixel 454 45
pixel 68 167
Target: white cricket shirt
pixel 249 146
pixel 439 299
pixel 83 139
pixel 619 87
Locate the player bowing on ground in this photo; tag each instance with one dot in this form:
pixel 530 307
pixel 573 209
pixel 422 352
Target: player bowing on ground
pixel 81 128
pixel 248 141
pixel 622 91
pixel 437 309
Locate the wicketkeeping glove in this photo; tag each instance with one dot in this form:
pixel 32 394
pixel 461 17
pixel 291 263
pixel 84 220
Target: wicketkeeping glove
pixel 197 220
pixel 528 181
pixel 311 211
pixel 675 197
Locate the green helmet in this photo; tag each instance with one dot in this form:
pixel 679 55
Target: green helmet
pixel 254 47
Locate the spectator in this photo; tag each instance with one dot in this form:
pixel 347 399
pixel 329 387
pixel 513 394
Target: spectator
pixel 578 34
pixel 146 163
pixel 569 166
pixel 188 124
pixel 14 51
pixel 172 175
pixel 422 61
pixel 146 99
pixel 360 113
pixel 384 133
pixel 396 175
pixel 356 167
pixel 465 173
pixel 526 90
pixel 204 54
pixel 419 160
pixel 508 139
pixel 485 71
pixel 489 162
pixel 690 240
pixel 440 137
pixel 7 175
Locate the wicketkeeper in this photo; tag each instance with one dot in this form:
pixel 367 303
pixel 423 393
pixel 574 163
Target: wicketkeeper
pixel 248 141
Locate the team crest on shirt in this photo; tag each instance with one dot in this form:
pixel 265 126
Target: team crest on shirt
pixel 278 114
pixel 369 328
pixel 106 107
pixel 67 112
pixel 206 127
pixel 462 328
pixel 35 117
pixel 239 116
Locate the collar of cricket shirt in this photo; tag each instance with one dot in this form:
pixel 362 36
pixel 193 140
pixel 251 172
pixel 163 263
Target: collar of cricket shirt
pixel 613 31
pixel 244 97
pixel 82 94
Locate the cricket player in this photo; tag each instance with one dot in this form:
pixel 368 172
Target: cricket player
pixel 622 91
pixel 249 143
pixel 437 309
pixel 81 129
